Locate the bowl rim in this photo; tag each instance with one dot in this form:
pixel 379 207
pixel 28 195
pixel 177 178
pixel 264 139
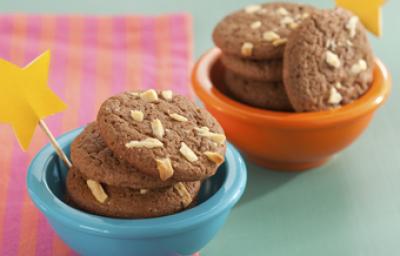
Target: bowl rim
pixel 209 95
pixel 52 207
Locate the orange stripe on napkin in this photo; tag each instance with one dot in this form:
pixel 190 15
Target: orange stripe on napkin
pixel 92 58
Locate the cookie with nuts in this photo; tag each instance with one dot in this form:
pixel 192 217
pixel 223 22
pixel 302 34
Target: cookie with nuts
pixel 170 138
pixel 96 161
pixel 259 31
pixel 260 70
pixel 123 202
pixel 328 61
pixel 261 94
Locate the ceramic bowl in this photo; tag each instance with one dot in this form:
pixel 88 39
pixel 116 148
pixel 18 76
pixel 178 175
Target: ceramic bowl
pixel 284 140
pixel 183 233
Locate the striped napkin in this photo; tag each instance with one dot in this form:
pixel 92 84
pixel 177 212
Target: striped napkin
pixel 92 58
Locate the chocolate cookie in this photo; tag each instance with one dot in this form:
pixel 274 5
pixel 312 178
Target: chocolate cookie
pixel 130 203
pixel 162 135
pixel 268 95
pixel 262 70
pixel 259 31
pixel 328 61
pixel 91 156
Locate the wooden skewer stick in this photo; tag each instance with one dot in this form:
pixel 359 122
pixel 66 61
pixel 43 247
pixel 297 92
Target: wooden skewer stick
pixel 55 144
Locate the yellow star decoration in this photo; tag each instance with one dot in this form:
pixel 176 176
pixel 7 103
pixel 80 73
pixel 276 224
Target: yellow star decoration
pixel 25 97
pixel 369 12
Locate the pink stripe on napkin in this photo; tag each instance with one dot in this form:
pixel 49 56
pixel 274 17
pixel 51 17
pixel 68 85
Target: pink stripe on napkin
pixel 92 58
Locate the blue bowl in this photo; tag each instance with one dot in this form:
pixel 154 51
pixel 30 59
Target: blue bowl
pixel 179 234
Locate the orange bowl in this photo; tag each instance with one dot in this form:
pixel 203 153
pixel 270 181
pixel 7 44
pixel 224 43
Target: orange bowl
pixel 284 140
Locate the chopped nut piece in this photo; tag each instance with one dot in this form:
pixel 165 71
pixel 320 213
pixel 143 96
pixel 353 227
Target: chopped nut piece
pixel 335 97
pixel 165 169
pixel 305 15
pixel 286 20
pixel 216 137
pixel 203 129
pixel 349 43
pixel 149 95
pixel 188 153
pixel 262 11
pixel 247 49
pixel 338 85
pixel 330 44
pixel 256 24
pixel 358 67
pixel 178 117
pixel 332 59
pixel 143 191
pixel 214 157
pixel 157 127
pixel 282 11
pixel 293 25
pixel 182 191
pixel 137 115
pixel 351 26
pixel 252 8
pixel 97 190
pixel 279 42
pixel 146 143
pixel 167 95
pixel 270 36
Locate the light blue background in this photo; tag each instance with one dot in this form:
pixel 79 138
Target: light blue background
pixel 351 206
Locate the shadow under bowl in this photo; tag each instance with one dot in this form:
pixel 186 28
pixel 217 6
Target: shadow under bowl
pixel 286 141
pixel 183 233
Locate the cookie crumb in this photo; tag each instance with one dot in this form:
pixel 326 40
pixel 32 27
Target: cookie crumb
pixel 214 157
pixel 178 117
pixel 270 36
pixel 256 24
pixel 157 127
pixel 97 190
pixel 332 59
pixel 247 49
pixel 279 42
pixel 137 115
pixel 165 169
pixel 146 143
pixel 335 97
pixel 182 191
pixel 188 153
pixel 282 11
pixel 252 8
pixel 167 95
pixel 351 26
pixel 149 95
pixel 143 191
pixel 358 67
pixel 135 94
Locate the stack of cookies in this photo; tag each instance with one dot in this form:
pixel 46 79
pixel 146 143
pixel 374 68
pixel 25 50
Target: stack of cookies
pixel 145 156
pixel 252 41
pixel 287 56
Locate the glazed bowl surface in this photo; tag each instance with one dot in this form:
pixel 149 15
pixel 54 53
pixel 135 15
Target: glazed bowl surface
pixel 183 233
pixel 285 141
